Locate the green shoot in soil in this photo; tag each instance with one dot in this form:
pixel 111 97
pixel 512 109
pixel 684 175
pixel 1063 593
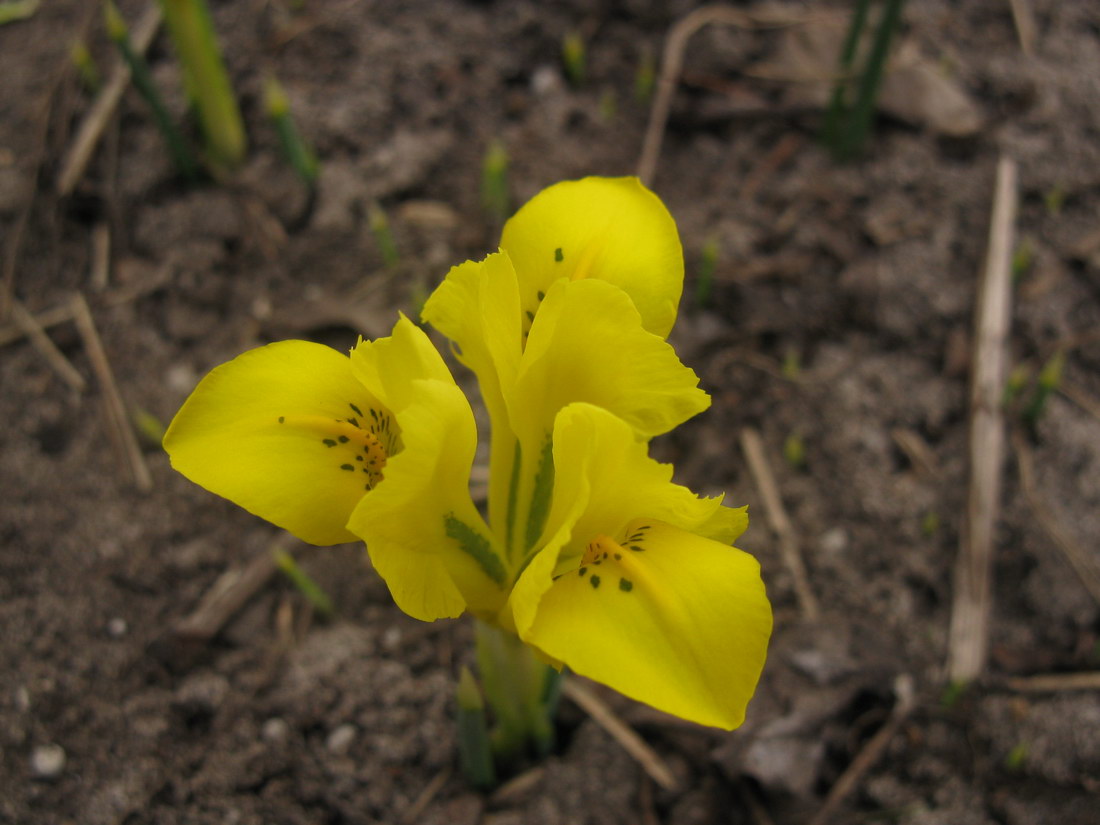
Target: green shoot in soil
pixel 792 364
pixel 1050 378
pixel 1022 259
pixel 143 82
pixel 14 10
pixel 494 182
pixel 383 236
pixel 704 283
pixel 573 58
pixel 297 153
pixel 645 77
pixel 608 105
pixel 317 597
pixel 206 80
pixel 149 428
pixel 86 68
pixel 794 451
pixel 847 126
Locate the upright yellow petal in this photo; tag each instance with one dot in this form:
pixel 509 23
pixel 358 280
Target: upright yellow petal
pixel 391 366
pixel 611 229
pixel 282 431
pixel 477 307
pixel 664 616
pixel 588 344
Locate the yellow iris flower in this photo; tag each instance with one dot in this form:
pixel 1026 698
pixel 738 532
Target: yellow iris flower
pixel 591 554
pixel 376 446
pixel 564 328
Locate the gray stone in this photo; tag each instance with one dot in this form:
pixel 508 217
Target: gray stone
pixel 48 762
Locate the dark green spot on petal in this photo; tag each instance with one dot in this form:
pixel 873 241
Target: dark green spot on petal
pixel 626 585
pixel 595 580
pixel 343 439
pixel 558 256
pixel 347 467
pixel 582 571
pixel 329 442
pixel 282 419
pixel 355 409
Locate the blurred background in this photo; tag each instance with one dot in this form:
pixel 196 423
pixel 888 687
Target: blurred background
pixel 839 213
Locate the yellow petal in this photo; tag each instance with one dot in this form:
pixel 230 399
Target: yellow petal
pixel 611 229
pixel 477 307
pixel 588 344
pixel 391 366
pixel 666 617
pixel 604 480
pixel 276 430
pixel 423 533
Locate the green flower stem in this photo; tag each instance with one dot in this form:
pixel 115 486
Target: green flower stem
pixel 520 689
pixel 143 82
pixel 474 753
pixel 207 80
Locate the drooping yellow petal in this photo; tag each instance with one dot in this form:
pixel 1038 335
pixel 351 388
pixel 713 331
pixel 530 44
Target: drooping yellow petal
pixel 588 344
pixel 281 430
pixel 422 531
pixel 611 229
pixel 664 616
pixel 604 480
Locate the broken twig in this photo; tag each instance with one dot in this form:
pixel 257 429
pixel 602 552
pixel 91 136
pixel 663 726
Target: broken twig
pixel 1056 682
pixel 91 128
pixel 33 330
pixel 971 605
pixel 622 733
pixel 904 703
pixel 672 62
pixel 1082 562
pixel 10 333
pixel 776 514
pixel 118 420
pixel 227 595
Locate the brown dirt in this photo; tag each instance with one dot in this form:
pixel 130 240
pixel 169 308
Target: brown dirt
pixel 864 273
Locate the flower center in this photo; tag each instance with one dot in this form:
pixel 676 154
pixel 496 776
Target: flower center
pixel 616 555
pixel 363 442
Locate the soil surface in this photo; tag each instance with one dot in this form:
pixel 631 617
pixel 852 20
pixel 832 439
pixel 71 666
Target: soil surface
pixel 838 323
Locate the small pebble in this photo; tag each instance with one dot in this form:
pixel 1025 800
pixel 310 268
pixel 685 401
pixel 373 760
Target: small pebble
pixel 340 739
pixel 117 628
pixel 391 638
pixel 275 730
pixel 47 761
pixel 834 541
pixel 22 699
